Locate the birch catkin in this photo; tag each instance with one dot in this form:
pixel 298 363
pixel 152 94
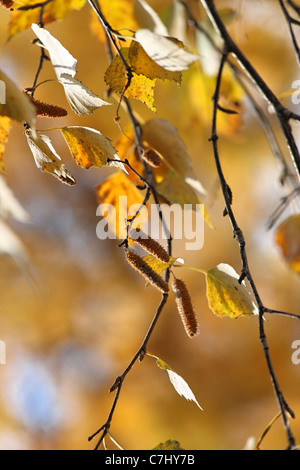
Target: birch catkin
pixel 185 307
pixel 48 110
pixel 146 271
pixel 150 245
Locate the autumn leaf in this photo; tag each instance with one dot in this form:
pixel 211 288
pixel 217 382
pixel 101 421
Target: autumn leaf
pixel 157 265
pixel 81 99
pixel 162 135
pixel 55 10
pixel 226 296
pixel 175 190
pixel 126 149
pixel 140 88
pixel 142 64
pixel 165 52
pixel 148 18
pixel 89 147
pixel 287 237
pixel 200 89
pixel 118 13
pixel 180 385
pixel 5 125
pixel 18 105
pixel 119 193
pixel 170 444
pixel 46 158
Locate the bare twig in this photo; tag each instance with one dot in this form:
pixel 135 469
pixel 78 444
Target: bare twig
pixel 238 234
pixel 290 22
pixel 149 183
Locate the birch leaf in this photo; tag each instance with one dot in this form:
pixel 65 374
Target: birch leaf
pixel 148 18
pixel 157 265
pixel 226 296
pixel 55 10
pixel 89 147
pixel 180 385
pixel 170 444
pixel 162 136
pixel 287 238
pixel 5 125
pixel 164 52
pixel 119 193
pixel 118 13
pixel 142 64
pixel 141 87
pixel 18 106
pixel 81 99
pixel 46 158
pixel 62 61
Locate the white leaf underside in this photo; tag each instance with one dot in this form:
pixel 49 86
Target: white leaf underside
pixel 164 52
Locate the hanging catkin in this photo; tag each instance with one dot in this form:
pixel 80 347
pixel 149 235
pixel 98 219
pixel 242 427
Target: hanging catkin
pixel 47 110
pixel 146 271
pixel 150 245
pixel 185 307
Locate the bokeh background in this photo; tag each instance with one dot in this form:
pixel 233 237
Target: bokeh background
pixel 73 318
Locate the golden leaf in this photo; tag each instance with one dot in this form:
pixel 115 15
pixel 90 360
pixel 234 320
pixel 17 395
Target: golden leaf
pixel 89 147
pixel 17 104
pixel 120 193
pixel 140 88
pixel 141 63
pixel 226 296
pixel 201 89
pixel 118 13
pixel 170 444
pixel 287 238
pixel 5 125
pixel 55 10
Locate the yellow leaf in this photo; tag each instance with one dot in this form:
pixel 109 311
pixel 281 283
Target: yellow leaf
pixel 118 13
pixel 89 147
pixel 175 190
pixel 225 295
pixel 162 136
pixel 5 125
pixel 170 444
pixel 140 88
pixel 141 63
pixel 201 89
pixel 120 193
pixel 287 238
pixel 157 265
pixel 55 10
pixel 18 105
pixel 126 149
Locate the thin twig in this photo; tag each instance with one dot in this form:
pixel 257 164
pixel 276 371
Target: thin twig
pixel 246 273
pixel 284 115
pixel 149 182
pixel 290 22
